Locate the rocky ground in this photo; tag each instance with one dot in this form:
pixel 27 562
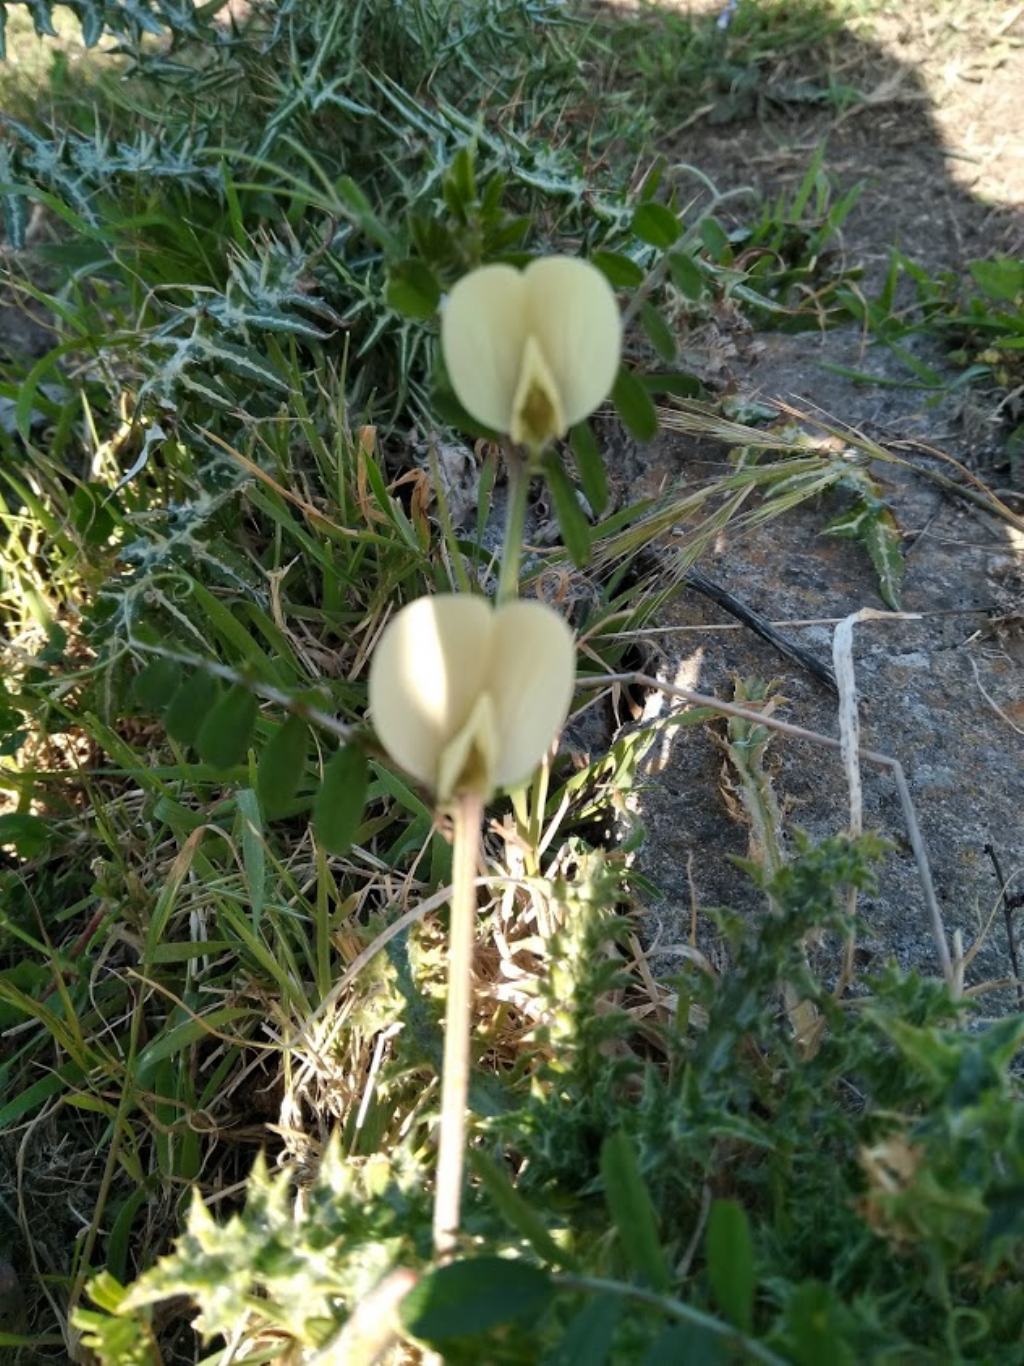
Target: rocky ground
pixel 939 148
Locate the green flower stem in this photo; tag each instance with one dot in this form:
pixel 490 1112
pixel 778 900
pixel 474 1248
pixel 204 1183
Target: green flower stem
pixel 515 521
pixel 469 812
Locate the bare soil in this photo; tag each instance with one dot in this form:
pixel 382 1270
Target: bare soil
pixel 938 144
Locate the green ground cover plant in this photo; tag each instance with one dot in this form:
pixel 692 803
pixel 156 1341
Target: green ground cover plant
pixel 978 320
pixel 231 458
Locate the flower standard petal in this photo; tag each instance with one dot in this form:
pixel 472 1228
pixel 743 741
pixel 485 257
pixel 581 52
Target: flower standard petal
pixel 427 672
pixel 483 332
pixel 573 314
pixel 531 676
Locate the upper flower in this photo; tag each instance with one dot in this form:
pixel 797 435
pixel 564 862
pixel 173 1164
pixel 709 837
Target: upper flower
pixel 532 352
pixel 467 698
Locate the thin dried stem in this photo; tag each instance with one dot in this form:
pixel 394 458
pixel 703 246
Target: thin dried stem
pixel 294 706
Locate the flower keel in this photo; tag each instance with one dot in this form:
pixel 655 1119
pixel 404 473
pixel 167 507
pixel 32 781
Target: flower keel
pixel 538 415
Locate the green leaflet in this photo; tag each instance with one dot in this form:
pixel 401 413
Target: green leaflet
pixel 874 525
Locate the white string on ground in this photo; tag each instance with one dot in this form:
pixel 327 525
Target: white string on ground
pixel 849 745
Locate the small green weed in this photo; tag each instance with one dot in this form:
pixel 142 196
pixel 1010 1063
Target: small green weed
pixel 979 323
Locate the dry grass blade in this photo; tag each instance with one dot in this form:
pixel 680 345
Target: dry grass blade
pixel 980 494
pixel 698 419
pixel 849 736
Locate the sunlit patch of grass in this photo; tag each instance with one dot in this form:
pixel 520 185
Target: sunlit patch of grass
pixel 723 63
pixel 41 71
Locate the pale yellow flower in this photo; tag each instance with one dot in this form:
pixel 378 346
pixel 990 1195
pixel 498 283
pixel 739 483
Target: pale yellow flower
pixel 466 697
pixel 532 352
